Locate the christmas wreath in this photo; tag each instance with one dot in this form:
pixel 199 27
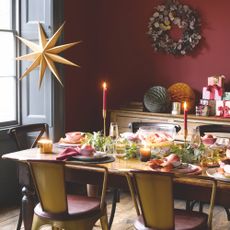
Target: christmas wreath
pixel 174 14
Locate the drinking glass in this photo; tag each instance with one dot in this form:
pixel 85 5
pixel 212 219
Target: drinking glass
pixel 114 134
pixel 113 130
pixel 195 139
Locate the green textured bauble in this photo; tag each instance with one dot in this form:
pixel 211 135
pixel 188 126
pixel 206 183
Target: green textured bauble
pixel 156 100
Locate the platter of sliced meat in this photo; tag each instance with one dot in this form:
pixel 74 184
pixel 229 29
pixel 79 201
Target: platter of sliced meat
pixel 172 163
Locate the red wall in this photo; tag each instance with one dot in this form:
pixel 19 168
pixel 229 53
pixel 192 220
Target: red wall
pixel 116 48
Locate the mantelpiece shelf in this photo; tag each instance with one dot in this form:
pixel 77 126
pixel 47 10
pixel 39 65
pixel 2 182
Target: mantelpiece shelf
pixel 124 117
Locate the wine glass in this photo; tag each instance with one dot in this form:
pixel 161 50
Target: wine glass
pixel 195 139
pixel 113 130
pixel 114 134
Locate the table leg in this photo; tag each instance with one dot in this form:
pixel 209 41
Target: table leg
pixel 116 198
pixel 28 203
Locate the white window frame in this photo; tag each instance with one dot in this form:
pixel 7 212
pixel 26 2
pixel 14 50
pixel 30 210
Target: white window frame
pixel 14 30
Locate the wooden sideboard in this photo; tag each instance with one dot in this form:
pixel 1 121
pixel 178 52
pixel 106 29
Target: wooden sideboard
pixel 124 117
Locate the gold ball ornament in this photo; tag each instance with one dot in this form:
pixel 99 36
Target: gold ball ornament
pixel 181 92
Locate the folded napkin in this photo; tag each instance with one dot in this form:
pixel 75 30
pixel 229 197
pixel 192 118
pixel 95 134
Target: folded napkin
pixel 68 152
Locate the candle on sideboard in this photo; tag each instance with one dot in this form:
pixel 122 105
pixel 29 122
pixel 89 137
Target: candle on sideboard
pixel 45 145
pixel 185 120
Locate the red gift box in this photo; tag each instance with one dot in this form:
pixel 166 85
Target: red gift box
pixel 212 92
pixel 216 80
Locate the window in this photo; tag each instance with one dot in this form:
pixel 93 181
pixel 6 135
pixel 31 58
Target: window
pixel 8 80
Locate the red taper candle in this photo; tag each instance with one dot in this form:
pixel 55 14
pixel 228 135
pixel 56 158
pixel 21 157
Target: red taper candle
pixel 185 120
pixel 104 95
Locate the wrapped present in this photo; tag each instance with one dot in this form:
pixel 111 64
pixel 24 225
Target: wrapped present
pixel 212 93
pixel 226 96
pixel 216 80
pixel 211 104
pixel 226 108
pixel 202 110
pixel 220 108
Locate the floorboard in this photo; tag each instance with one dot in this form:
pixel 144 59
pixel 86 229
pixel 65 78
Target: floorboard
pixel 125 214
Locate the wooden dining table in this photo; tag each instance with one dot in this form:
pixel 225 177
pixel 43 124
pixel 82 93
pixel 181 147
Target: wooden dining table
pixel 184 189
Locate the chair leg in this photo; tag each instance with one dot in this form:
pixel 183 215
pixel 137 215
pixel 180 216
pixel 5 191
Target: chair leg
pixel 104 221
pixel 201 204
pixel 227 212
pixel 116 198
pixel 19 224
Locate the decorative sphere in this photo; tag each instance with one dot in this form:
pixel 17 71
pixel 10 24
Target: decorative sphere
pixel 156 100
pixel 181 92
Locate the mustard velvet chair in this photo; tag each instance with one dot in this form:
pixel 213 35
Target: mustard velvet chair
pixel 56 207
pixel 152 193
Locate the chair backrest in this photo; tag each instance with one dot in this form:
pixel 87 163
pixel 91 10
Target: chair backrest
pixel 169 128
pixel 27 136
pixel 213 129
pixel 155 195
pixel 49 180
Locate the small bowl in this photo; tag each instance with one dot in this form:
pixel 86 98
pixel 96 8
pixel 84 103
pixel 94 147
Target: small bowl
pixel 73 137
pixel 208 140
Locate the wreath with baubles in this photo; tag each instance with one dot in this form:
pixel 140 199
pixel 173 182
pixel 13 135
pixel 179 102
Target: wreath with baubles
pixel 174 14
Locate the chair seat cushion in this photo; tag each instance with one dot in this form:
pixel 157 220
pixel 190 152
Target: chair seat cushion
pixel 184 220
pixel 78 207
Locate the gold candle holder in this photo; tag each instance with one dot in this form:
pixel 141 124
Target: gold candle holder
pixel 185 135
pixel 104 121
pixel 45 146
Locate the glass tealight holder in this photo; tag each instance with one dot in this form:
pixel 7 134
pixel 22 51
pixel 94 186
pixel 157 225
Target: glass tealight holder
pixel 145 153
pixel 45 146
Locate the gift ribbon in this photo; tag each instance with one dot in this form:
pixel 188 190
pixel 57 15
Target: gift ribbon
pixel 221 109
pixel 212 89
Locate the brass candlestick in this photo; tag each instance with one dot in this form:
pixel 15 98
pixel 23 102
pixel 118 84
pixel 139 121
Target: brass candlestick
pixel 104 120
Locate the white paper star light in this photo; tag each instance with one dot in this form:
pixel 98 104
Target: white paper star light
pixel 45 54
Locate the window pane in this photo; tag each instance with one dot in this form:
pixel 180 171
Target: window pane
pixel 5 14
pixel 7 99
pixel 7 54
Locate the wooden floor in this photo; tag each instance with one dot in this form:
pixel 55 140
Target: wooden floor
pixel 124 216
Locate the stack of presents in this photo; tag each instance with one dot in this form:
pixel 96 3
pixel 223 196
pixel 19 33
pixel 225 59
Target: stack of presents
pixel 215 101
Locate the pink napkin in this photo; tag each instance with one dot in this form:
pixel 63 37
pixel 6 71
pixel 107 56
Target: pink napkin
pixel 67 153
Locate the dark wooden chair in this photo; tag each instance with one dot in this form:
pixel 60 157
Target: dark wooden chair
pixel 134 126
pixel 152 193
pixel 58 208
pixel 203 129
pixel 27 136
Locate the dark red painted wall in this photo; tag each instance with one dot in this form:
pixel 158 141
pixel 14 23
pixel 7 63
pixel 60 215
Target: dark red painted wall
pixel 116 48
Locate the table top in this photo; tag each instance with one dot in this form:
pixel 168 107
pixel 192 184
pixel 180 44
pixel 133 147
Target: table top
pixel 119 166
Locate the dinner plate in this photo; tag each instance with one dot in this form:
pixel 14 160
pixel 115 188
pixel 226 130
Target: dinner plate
pixel 98 157
pixel 188 169
pixel 66 145
pixel 213 172
pixel 184 168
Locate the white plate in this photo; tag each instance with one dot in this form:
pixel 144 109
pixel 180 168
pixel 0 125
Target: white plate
pixel 66 145
pixel 213 172
pixel 188 169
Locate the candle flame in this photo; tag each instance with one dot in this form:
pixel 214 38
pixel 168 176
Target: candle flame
pixel 104 86
pixel 185 105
